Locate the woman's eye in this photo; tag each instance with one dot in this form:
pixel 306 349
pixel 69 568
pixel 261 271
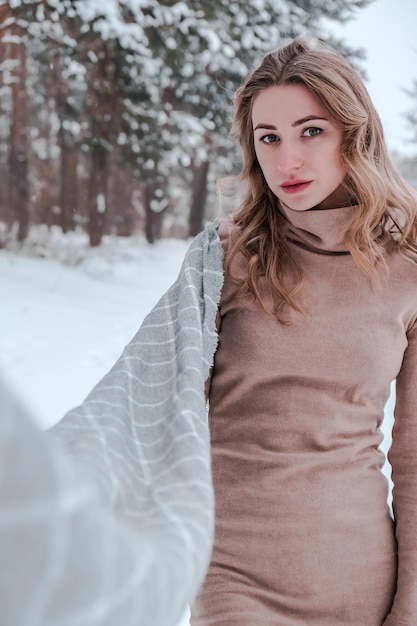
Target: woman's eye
pixel 311 132
pixel 269 138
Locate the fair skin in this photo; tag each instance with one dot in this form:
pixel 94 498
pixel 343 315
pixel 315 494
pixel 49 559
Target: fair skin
pixel 298 148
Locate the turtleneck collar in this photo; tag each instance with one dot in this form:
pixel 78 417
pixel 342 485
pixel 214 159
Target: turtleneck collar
pixel 320 230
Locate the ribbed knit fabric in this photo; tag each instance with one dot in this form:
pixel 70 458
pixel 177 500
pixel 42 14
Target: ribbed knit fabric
pixel 303 531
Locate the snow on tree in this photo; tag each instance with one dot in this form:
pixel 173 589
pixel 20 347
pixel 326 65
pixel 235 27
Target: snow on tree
pixel 150 84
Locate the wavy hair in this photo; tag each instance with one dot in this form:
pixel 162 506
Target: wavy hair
pixel 372 180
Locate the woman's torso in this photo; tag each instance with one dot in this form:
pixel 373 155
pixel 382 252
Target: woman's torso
pixel 303 530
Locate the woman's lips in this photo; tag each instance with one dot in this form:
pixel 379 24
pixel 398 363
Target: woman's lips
pixel 295 186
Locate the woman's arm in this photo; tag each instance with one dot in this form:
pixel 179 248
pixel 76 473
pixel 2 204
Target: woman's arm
pixel 403 459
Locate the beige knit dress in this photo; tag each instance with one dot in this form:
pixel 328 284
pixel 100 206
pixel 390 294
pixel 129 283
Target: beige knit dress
pixel 303 531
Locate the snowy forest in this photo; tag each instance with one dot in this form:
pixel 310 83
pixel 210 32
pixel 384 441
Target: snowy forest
pixel 114 128
pixel 115 114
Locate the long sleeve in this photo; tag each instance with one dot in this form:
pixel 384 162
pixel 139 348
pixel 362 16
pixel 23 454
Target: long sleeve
pixel 124 526
pixel 66 559
pixel 403 458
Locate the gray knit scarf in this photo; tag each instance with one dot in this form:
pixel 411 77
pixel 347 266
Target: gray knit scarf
pixel 142 433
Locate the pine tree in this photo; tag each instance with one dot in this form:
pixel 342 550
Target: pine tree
pixel 152 83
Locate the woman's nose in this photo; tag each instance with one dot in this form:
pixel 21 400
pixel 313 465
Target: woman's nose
pixel 288 158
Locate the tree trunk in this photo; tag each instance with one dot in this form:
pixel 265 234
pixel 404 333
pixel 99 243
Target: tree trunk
pixel 198 197
pixel 68 143
pixel 18 146
pixel 97 195
pixel 5 123
pixel 122 218
pixel 104 123
pixel 68 204
pixel 155 207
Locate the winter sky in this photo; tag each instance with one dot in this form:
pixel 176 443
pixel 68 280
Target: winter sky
pixel 386 29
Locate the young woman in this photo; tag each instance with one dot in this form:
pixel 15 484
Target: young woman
pixel 317 316
pixel 307 298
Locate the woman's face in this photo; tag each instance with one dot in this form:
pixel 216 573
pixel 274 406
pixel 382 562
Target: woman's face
pixel 298 148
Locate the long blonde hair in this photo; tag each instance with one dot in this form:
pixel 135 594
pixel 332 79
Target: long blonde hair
pixel 372 179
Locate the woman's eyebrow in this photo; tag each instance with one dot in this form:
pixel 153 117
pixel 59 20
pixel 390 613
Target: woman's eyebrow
pixel 265 126
pixel 308 118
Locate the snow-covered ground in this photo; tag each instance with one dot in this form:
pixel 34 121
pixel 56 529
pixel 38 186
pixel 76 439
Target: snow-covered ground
pixel 67 311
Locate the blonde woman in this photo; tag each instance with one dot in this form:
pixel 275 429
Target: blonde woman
pixel 291 318
pixel 317 316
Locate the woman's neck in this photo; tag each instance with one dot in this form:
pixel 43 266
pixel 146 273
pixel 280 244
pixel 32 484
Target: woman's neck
pixel 320 230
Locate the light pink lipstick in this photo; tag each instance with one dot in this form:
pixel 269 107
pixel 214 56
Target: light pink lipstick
pixel 294 186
